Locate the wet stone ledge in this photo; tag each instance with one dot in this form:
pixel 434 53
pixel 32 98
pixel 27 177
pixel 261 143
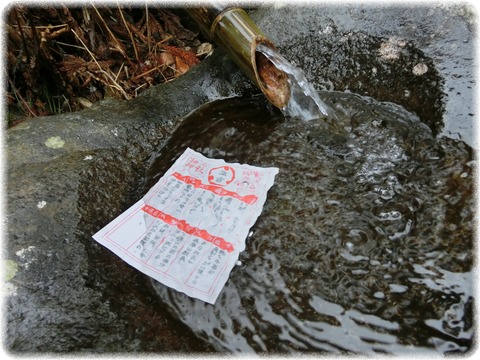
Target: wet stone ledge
pixel 77 172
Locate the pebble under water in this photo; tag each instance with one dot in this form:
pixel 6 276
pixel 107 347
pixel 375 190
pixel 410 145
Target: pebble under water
pixel 365 243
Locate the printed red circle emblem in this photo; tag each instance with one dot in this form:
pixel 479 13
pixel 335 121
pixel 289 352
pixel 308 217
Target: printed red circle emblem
pixel 222 175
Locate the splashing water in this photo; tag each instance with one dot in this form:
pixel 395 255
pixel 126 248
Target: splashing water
pixel 304 102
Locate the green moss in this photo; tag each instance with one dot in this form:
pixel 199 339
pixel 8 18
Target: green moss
pixel 11 268
pixel 55 142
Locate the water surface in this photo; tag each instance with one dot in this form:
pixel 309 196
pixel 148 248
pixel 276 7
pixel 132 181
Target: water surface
pixel 365 241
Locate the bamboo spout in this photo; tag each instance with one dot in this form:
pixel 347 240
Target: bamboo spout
pixel 233 29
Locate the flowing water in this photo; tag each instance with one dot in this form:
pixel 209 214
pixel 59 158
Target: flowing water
pixel 304 103
pixel 365 243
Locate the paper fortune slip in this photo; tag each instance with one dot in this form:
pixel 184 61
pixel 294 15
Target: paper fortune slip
pixel 188 230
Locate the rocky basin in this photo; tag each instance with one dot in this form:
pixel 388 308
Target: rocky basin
pixel 348 275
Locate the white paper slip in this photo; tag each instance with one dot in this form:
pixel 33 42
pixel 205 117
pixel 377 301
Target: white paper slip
pixel 188 230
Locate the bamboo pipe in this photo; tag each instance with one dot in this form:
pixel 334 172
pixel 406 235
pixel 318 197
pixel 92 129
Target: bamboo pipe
pixel 232 29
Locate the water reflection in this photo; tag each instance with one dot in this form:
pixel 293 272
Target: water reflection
pixel 365 241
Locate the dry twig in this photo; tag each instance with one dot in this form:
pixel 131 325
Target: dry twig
pixel 85 54
pixel 114 83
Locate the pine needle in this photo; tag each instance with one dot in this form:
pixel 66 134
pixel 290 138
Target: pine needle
pixel 119 46
pixel 148 27
pixel 114 83
pixel 129 33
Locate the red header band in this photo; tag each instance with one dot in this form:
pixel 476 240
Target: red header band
pixel 186 228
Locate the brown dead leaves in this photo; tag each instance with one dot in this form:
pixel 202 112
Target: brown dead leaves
pixel 63 59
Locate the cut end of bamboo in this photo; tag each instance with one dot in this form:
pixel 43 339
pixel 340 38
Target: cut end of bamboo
pixel 232 29
pixel 272 81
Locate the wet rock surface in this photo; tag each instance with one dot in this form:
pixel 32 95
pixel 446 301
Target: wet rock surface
pixel 66 176
pixel 69 175
pixel 420 56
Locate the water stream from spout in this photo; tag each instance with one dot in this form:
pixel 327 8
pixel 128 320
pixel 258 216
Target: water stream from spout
pixel 304 102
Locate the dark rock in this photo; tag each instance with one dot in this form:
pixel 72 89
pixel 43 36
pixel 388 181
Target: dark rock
pixel 68 175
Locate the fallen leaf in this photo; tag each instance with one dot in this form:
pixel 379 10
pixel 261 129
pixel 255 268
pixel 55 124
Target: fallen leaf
pixel 181 66
pixel 166 59
pixel 188 57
